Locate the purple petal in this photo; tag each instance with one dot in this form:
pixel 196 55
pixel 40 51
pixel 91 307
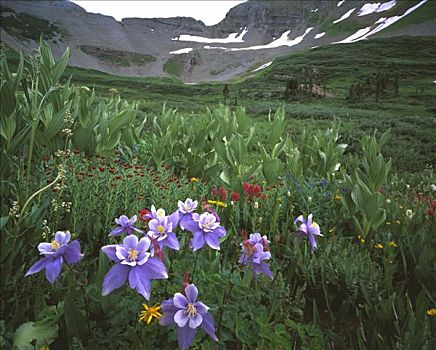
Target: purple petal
pixel 115 278
pixel 167 319
pixel 110 251
pixel 153 224
pixel 130 242
pixel 156 268
pixel 172 241
pixel 180 301
pixel 314 230
pixel 45 248
pixel 62 237
pixel 201 308
pixel 117 231
pixel 220 231
pixel 312 241
pixel 168 306
pixel 184 219
pixel 185 337
pixel 53 269
pixel 309 220
pixel 195 321
pixel 301 219
pixel 212 240
pixel 181 318
pixel 38 266
pixel 265 269
pixel 191 292
pixel 198 240
pixel 139 280
pixel 121 252
pixel 144 244
pixel 174 219
pixel 208 326
pixel 72 254
pixel 191 225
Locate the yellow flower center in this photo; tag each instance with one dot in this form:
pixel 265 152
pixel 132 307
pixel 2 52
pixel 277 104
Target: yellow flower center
pixel 161 229
pixel 314 225
pixel 160 213
pixel 133 254
pixel 190 310
pixel 54 245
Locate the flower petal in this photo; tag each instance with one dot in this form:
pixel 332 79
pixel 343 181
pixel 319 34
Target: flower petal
pixel 191 225
pixel 301 219
pixel 195 321
pixel 53 269
pixel 139 280
pixel 130 242
pixel 198 240
pixel 312 241
pixel 181 318
pixel 72 254
pixel 117 231
pixel 38 266
pixel 143 244
pixel 201 308
pixel 185 337
pixel 212 240
pixel 110 251
pixel 208 326
pixel 115 278
pixel 172 241
pixel 62 237
pixel 191 292
pixel 155 268
pixel 180 301
pixel 45 248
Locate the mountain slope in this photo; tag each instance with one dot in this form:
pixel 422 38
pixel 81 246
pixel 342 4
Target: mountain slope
pixel 252 34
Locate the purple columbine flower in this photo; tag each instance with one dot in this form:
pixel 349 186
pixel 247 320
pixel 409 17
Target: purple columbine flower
pixel 188 314
pixel 154 214
pixel 162 230
pixel 185 211
pixel 133 262
pixel 206 229
pixel 254 252
pixel 308 229
pixel 126 225
pixel 55 253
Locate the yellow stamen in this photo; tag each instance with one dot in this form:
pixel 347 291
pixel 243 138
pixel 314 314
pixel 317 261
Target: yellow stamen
pixel 379 246
pixel 161 229
pixel 191 310
pixel 54 245
pixel 195 179
pixel 392 244
pixel 133 254
pixel 149 312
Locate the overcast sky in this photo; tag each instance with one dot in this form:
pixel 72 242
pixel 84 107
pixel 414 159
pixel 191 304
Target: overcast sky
pixel 210 12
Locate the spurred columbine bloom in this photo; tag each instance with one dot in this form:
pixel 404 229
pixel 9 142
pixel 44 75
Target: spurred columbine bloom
pixel 206 229
pixel 162 229
pixel 126 225
pixel 254 252
pixel 55 253
pixel 133 262
pixel 188 315
pixel 185 211
pixel 308 228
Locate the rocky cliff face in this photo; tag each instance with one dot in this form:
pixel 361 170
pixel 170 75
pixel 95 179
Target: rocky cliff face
pixel 252 34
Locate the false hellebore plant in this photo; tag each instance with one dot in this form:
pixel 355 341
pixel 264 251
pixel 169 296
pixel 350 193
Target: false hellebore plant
pixel 254 252
pixel 55 253
pixel 308 228
pixel 188 315
pixel 206 229
pixel 133 262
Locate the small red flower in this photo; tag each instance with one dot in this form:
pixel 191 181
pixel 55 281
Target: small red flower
pixel 112 170
pixel 117 177
pixel 235 196
pixel 101 169
pixel 223 194
pixel 214 192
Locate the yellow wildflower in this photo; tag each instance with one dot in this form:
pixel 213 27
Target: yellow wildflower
pixel 393 244
pixel 149 312
pixel 332 230
pixel 379 246
pixel 431 312
pixel 218 203
pixel 338 197
pixel 401 207
pixel 195 179
pixel 398 222
pixel 388 223
pixel 361 240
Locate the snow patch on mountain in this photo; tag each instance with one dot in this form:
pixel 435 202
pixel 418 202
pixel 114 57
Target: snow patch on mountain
pixel 263 66
pixel 340 3
pixel 344 16
pixel 376 7
pixel 231 38
pixel 319 35
pixel 179 52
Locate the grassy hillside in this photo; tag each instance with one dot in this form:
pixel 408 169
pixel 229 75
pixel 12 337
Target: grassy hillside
pixel 410 113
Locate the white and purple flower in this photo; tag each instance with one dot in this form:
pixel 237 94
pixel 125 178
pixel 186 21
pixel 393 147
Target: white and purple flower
pixel 55 253
pixel 308 228
pixel 185 211
pixel 133 262
pixel 188 314
pixel 206 229
pixel 162 229
pixel 254 252
pixel 125 225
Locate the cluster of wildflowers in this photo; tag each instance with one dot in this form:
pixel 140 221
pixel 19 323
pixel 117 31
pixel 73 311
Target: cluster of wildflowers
pixel 55 254
pixel 253 191
pixel 220 193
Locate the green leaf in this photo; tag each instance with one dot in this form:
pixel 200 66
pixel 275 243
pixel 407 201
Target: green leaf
pixel 42 332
